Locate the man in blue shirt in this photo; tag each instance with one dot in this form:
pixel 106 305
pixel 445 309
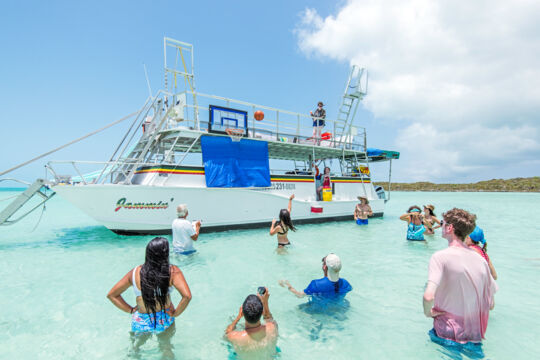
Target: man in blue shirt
pixel 331 285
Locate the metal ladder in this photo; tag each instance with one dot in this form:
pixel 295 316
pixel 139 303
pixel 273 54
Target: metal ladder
pixel 355 90
pixel 34 189
pixel 147 145
pixel 125 165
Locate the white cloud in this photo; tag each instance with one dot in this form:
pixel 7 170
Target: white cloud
pixel 463 76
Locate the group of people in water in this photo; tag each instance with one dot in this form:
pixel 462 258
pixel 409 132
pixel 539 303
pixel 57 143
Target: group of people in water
pixel 458 296
pixel 420 224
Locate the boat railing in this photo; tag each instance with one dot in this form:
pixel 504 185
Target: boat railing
pixel 277 125
pixel 87 173
pixel 155 108
pixel 190 110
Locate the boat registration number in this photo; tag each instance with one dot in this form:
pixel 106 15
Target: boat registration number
pixel 283 186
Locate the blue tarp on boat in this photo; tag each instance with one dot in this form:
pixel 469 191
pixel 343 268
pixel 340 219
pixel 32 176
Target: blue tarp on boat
pixel 374 152
pixel 235 164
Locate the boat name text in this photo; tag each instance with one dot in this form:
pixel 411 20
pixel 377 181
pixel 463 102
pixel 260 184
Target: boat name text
pixel 122 203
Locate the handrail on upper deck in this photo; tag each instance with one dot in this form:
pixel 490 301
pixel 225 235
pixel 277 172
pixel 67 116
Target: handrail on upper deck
pixel 292 126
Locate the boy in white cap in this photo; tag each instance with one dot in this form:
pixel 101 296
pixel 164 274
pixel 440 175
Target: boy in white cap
pixel 330 285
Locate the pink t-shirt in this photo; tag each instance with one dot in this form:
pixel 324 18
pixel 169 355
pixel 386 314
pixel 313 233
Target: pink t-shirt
pixel 465 291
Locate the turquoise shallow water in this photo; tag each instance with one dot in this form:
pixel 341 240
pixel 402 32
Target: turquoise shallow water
pixel 54 281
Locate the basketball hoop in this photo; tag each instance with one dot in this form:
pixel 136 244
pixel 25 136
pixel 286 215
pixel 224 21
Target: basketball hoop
pixel 235 134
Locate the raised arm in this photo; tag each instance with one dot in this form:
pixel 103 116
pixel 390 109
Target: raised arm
pixel 273 227
pixel 195 236
pixel 115 294
pixel 436 221
pixel 290 203
pixel 179 282
pixel 405 217
pixel 285 283
pixel 267 315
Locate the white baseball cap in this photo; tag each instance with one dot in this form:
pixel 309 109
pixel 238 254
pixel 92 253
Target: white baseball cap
pixel 333 263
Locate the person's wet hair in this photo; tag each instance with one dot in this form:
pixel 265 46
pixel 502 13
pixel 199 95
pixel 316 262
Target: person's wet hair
pixel 285 219
pixel 252 308
pixel 462 221
pixel 430 211
pixel 155 275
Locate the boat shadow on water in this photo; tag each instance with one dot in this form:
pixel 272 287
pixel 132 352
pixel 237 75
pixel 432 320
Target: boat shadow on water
pixel 78 236
pixel 91 234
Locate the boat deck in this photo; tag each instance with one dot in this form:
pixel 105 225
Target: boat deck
pixel 283 149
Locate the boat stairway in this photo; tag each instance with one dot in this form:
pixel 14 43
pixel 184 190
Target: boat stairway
pixel 39 188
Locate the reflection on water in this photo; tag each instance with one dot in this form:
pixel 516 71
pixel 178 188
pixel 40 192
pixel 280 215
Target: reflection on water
pixel 163 339
pixel 456 351
pixel 232 355
pixel 324 317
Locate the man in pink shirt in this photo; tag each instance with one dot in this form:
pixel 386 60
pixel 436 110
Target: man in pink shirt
pixel 460 290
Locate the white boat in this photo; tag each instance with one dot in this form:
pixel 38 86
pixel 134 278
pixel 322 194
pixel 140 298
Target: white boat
pixel 232 171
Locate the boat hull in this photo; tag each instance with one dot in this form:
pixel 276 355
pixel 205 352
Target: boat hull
pixel 142 209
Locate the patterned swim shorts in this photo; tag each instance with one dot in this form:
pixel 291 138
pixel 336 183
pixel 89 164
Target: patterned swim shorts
pixel 144 323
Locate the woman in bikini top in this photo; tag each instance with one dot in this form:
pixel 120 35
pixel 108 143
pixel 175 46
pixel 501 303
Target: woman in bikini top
pixel 282 227
pixel 152 284
pixel 430 219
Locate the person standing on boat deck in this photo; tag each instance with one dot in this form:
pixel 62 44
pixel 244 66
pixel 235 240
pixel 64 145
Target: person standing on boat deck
pixel 473 241
pixel 325 179
pixel 460 290
pixel 257 340
pixel 318 122
pixel 283 226
pixel 152 284
pixel 184 232
pixel 430 220
pixel 362 211
pixel 415 223
pixel 330 286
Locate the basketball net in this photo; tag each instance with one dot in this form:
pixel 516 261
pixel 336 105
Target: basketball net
pixel 235 134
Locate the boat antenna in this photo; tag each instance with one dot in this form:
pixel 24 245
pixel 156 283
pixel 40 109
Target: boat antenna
pixel 147 80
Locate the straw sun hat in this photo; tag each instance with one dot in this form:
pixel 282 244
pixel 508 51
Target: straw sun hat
pixel 363 197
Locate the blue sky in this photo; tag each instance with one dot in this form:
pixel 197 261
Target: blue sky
pixel 70 67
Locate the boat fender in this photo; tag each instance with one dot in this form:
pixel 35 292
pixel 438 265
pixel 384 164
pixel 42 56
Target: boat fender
pixel 316 171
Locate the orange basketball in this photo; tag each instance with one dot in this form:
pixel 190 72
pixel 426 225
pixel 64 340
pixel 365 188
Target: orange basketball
pixel 258 115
